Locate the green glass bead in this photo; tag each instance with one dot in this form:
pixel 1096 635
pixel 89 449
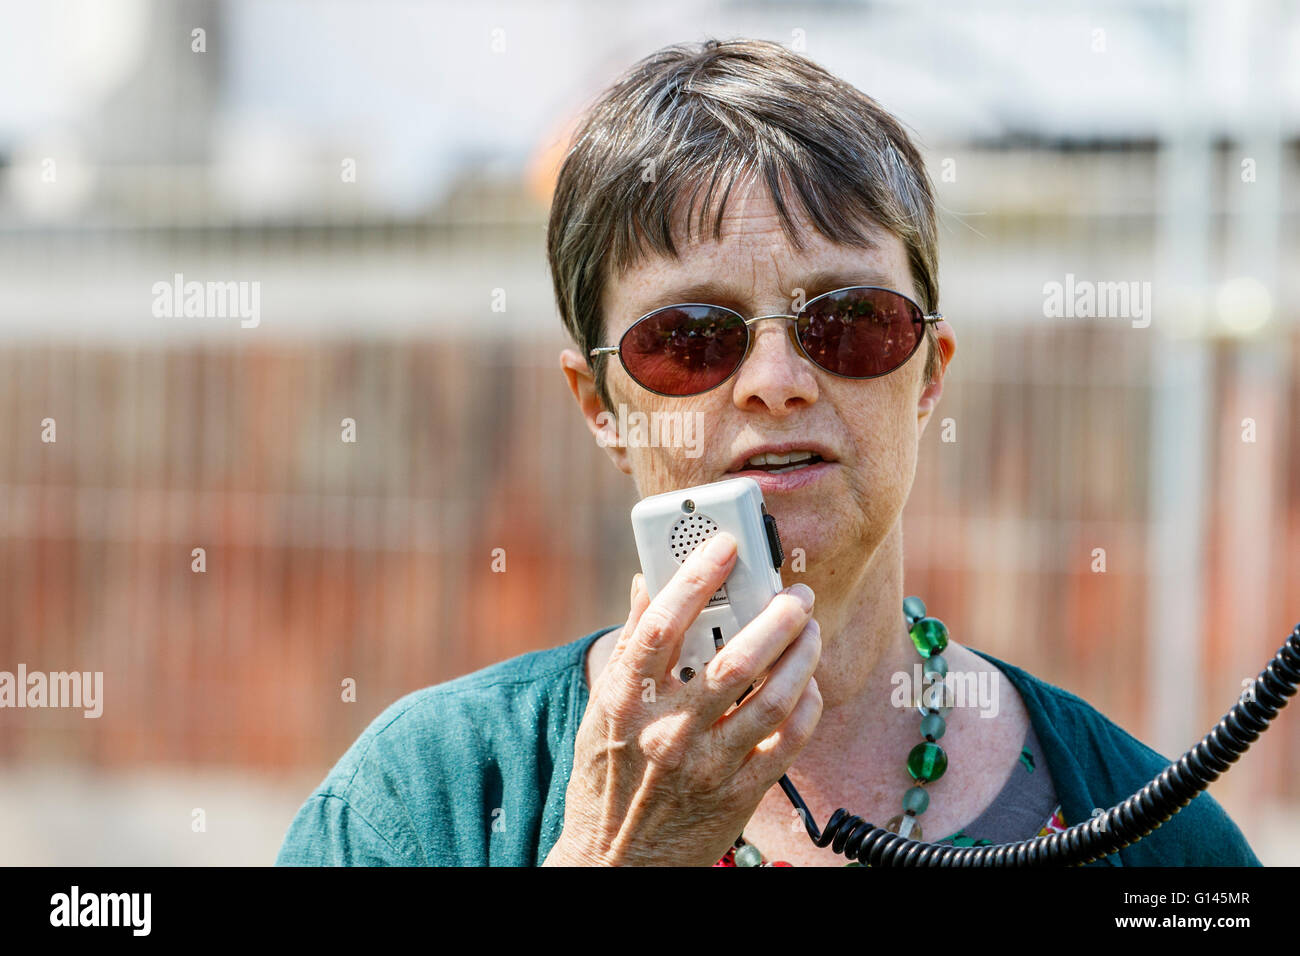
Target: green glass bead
pixel 927 762
pixel 936 664
pixel 916 800
pixel 933 726
pixel 748 855
pixel 930 636
pixel 913 609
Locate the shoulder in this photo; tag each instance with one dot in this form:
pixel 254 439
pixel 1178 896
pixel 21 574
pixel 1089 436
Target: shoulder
pixel 508 702
pixel 1095 763
pixel 438 769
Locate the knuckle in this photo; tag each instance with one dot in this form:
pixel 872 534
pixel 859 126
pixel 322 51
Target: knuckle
pixel 711 780
pixel 696 577
pixel 729 670
pixel 773 708
pixel 623 708
pixel 666 748
pixel 656 626
pixel 711 774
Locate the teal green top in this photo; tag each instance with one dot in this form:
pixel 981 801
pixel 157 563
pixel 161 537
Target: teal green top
pixel 473 772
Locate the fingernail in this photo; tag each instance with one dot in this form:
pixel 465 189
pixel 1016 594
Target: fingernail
pixel 803 592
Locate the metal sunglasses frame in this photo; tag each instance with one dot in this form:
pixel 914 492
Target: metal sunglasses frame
pixel 926 319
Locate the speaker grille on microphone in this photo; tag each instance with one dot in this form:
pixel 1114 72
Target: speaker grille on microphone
pixel 689 533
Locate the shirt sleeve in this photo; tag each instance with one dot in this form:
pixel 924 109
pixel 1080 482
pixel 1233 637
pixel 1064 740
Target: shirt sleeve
pixel 328 831
pixel 415 789
pixel 468 773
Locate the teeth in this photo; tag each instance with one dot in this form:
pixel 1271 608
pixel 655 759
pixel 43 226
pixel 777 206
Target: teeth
pixel 770 458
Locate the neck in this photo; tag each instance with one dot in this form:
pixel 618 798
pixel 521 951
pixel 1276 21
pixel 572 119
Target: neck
pixel 862 740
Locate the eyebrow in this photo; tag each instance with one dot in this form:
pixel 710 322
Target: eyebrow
pixel 721 291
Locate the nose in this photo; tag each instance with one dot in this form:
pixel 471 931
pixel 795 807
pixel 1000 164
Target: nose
pixel 775 376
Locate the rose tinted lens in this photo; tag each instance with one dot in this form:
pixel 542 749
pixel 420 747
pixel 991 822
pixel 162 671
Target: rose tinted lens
pixel 860 332
pixel 684 350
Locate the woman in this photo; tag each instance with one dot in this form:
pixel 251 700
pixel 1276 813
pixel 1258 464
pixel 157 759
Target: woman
pixel 708 187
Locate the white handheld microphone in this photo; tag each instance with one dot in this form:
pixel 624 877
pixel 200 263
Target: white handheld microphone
pixel 668 527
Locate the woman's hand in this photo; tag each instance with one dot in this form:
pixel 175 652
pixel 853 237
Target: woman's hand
pixel 664 778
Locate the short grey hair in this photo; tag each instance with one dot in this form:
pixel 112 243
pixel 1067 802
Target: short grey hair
pixel 714 113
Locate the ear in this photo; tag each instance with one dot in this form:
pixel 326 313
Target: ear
pixel 946 344
pixel 602 423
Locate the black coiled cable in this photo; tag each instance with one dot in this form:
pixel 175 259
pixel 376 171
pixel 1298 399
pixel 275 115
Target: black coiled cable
pixel 1104 834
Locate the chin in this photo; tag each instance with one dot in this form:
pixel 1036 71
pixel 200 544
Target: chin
pixel 821 536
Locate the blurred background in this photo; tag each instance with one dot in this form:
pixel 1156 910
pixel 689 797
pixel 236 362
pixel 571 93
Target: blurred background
pixel 383 170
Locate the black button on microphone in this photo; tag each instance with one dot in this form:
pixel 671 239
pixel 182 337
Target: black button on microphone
pixel 773 541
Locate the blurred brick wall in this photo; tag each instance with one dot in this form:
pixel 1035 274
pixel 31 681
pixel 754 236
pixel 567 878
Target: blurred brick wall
pixel 373 560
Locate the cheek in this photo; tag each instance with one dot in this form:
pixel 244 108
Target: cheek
pixel 884 428
pixel 668 444
pixel 656 470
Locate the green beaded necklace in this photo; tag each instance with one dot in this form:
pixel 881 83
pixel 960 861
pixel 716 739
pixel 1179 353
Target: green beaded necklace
pixel 927 761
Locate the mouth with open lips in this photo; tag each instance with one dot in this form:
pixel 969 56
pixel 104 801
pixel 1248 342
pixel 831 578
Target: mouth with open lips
pixel 783 467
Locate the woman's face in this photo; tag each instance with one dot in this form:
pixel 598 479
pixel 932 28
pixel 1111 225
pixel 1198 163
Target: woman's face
pixel 866 431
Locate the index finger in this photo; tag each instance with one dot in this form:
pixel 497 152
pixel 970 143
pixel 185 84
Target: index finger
pixel 658 634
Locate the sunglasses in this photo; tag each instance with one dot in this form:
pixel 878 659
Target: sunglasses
pixel 688 349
